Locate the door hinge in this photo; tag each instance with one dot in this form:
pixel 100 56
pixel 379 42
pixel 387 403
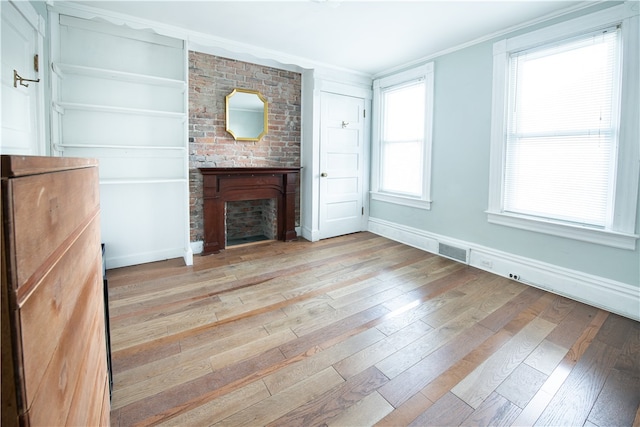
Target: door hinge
pixel 363 210
pixel 36 63
pixel 364 113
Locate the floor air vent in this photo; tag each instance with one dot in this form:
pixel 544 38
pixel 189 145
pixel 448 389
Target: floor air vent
pixel 452 252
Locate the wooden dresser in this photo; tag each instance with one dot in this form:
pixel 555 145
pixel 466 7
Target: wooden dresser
pixel 54 363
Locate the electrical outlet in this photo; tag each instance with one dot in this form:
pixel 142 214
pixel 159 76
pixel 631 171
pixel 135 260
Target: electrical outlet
pixel 486 263
pixel 514 276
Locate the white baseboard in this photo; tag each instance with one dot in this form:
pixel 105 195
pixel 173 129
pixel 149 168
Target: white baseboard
pixel 145 257
pixel 188 256
pixel 197 247
pixel 610 295
pixel 310 235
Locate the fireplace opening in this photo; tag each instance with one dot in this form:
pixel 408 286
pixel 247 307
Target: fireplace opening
pixel 250 221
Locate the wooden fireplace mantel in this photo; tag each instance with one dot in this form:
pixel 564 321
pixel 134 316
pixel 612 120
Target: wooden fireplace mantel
pixel 223 185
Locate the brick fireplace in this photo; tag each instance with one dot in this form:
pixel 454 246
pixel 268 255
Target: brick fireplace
pixel 211 78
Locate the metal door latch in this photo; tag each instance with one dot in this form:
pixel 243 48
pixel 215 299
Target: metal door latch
pixel 21 80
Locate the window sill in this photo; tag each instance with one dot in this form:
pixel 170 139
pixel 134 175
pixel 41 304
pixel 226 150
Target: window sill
pixel 401 200
pixel 593 235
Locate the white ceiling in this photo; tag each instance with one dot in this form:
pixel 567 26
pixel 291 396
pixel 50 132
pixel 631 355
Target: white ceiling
pixel 370 37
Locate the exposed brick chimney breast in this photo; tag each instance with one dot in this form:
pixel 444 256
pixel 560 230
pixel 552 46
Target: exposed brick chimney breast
pixel 211 78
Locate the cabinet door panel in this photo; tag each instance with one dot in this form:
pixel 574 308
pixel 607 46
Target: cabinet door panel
pixel 47 209
pixel 72 287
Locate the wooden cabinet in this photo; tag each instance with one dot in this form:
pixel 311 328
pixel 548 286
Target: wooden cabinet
pixel 54 364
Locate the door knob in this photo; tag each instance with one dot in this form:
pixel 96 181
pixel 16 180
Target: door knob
pixel 323 174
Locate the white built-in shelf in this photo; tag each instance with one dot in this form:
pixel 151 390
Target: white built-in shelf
pixel 129 181
pixel 60 107
pixel 65 69
pixel 120 147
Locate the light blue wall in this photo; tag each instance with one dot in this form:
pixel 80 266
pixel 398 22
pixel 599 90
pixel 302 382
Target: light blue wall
pixel 460 178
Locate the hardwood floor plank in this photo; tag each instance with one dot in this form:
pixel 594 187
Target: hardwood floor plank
pixel 400 361
pixel 123 396
pixel 486 294
pixel 144 312
pixel 543 397
pixel 365 358
pixel 434 288
pixel 330 404
pixel 459 370
pixel 619 399
pixel 559 309
pixel 412 380
pixel 225 330
pixel 181 394
pixel 575 398
pixel 164 366
pixel 480 383
pixel 447 411
pixel 299 317
pixel 140 355
pixel 407 412
pixel 494 411
pixel 573 326
pixel 250 349
pixel 523 383
pixel 320 360
pixel 499 318
pixel 546 357
pixel 277 405
pixel 365 412
pixel 311 339
pixel 222 407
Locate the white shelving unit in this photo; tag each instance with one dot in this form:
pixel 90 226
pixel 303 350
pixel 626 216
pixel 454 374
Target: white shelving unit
pixel 120 95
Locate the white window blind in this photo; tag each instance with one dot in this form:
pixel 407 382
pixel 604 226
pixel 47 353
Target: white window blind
pixel 403 127
pixel 562 130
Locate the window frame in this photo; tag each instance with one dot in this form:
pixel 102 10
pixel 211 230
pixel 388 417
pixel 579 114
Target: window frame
pixel 621 234
pixel 426 73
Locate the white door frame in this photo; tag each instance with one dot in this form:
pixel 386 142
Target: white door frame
pixel 312 87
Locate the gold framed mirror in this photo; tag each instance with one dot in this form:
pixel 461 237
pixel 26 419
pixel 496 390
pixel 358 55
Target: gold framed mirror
pixel 246 115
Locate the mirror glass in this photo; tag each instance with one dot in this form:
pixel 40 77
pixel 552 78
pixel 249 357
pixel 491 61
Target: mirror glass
pixel 246 115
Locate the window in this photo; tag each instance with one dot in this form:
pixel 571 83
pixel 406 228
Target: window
pixel 402 138
pixel 560 128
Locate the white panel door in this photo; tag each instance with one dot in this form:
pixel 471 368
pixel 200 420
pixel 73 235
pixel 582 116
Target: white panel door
pixel 21 124
pixel 341 165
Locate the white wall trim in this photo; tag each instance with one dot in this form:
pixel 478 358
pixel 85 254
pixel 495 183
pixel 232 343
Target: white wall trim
pixel 145 257
pixel 610 295
pixel 310 235
pixel 424 72
pixel 400 200
pixel 576 232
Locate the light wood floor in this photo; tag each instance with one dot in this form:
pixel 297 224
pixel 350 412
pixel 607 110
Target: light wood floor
pixel 357 331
